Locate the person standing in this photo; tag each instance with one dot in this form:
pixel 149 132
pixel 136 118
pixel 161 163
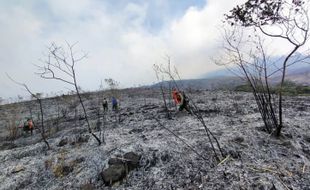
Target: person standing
pixel 114 104
pixel 105 105
pixel 180 100
pixel 28 126
pixel 176 96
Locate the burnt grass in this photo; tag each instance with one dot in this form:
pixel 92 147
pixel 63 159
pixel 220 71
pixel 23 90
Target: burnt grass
pixel 253 158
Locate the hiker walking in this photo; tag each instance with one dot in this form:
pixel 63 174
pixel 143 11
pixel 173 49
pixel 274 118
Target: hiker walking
pixel 114 104
pixel 105 105
pixel 176 96
pixel 184 103
pixel 180 100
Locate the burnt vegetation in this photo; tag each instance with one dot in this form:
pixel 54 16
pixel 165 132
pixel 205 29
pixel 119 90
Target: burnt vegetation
pixel 244 46
pixel 216 139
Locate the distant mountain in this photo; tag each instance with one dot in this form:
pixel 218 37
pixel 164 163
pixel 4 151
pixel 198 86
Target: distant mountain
pixel 298 76
pixel 298 73
pixel 215 83
pixel 224 79
pixel 218 73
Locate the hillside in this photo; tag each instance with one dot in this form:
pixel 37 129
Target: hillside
pixel 253 159
pixel 225 80
pixel 215 83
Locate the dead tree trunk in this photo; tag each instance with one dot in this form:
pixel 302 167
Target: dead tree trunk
pixel 63 63
pixel 42 131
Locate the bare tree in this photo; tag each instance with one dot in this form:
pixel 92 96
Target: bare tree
pixel 113 87
pixel 161 80
pixel 20 98
pixel 279 19
pixel 60 65
pixel 41 108
pixel 173 75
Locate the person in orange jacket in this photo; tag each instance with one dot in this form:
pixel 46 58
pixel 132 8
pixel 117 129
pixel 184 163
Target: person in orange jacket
pixel 177 97
pixel 181 100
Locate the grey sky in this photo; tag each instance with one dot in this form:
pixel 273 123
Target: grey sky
pixel 123 38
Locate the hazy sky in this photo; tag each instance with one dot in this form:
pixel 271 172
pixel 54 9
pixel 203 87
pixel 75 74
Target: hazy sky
pixel 123 38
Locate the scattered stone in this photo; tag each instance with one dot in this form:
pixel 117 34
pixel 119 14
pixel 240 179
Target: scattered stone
pixel 63 142
pixel 79 160
pixel 132 160
pixel 113 174
pixel 138 130
pixel 115 161
pixel 82 139
pixel 67 169
pixel 238 139
pixel 119 167
pixel 87 186
pixel 18 168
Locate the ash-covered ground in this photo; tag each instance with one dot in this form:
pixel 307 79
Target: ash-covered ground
pixel 253 158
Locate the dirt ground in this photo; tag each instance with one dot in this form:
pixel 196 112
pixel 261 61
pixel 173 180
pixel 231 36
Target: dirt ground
pixel 253 159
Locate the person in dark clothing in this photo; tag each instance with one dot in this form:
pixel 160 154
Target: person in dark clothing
pixel 105 105
pixel 184 103
pixel 28 125
pixel 114 104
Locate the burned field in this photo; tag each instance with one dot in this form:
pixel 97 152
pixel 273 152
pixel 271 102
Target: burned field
pixel 139 153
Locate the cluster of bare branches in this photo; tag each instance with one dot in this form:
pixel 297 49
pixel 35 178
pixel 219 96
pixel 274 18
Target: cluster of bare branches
pixel 161 80
pixel 39 100
pixel 60 65
pixel 113 85
pixel 173 76
pixel 284 20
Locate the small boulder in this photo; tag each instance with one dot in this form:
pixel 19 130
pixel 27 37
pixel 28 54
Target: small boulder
pixel 238 139
pixel 113 174
pixel 82 139
pixel 132 160
pixel 67 169
pixel 87 186
pixel 119 167
pixel 115 161
pixel 63 142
